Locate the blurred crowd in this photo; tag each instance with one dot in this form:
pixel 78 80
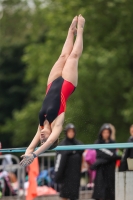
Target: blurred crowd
pixel 72 166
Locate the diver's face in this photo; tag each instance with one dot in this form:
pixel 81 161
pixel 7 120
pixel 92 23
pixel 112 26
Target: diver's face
pixel 106 134
pixel 45 133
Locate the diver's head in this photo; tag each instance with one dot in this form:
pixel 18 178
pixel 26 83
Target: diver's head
pixel 45 133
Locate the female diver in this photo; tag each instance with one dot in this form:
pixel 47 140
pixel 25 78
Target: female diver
pixel 61 83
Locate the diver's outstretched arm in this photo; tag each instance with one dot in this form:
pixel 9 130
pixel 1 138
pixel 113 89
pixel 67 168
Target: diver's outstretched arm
pixel 28 158
pixel 52 138
pixel 33 143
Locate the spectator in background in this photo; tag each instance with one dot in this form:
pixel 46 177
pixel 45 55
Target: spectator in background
pixel 128 153
pixel 68 166
pixel 7 160
pixel 119 152
pixel 90 158
pixel 104 188
pixel 113 132
pixel 0 148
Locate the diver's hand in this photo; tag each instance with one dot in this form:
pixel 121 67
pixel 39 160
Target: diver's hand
pixel 28 151
pixel 27 159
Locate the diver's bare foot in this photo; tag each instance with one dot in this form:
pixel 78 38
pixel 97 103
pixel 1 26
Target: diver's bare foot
pixel 81 21
pixel 73 26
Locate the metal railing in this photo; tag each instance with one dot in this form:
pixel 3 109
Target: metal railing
pixel 11 168
pixel 46 160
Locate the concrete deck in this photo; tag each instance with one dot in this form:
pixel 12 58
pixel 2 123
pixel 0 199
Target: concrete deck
pixel 84 195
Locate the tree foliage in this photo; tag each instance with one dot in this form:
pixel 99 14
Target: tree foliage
pixel 104 92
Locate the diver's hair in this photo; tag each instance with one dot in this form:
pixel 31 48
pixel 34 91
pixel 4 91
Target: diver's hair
pixel 55 144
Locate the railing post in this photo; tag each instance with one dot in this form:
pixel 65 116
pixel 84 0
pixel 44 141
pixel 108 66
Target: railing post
pixel 124 185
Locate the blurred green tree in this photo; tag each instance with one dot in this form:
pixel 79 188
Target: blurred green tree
pixel 13 39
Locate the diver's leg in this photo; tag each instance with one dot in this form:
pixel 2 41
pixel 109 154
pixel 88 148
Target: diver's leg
pixel 56 70
pixel 70 70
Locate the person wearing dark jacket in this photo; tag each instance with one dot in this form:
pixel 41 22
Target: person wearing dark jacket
pixel 68 166
pixel 128 153
pixel 104 188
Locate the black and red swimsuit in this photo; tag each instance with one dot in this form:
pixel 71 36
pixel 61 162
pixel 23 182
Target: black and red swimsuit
pixel 54 102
